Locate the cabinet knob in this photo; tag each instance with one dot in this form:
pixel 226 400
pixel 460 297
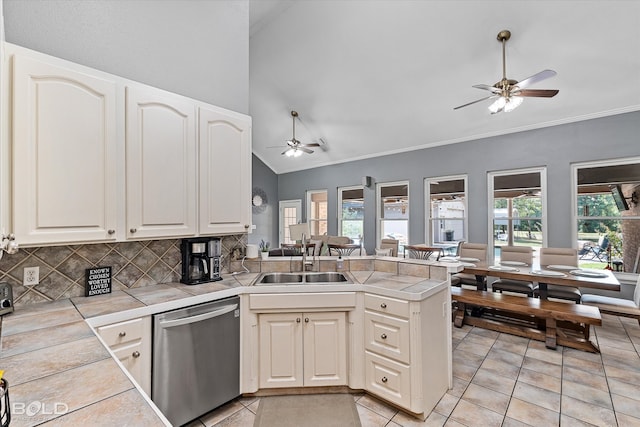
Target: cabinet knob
pixel 383 305
pixel 111 231
pixel 136 354
pixel 384 379
pixel 246 226
pixel 298 320
pixel 122 334
pixel 383 336
pixel 133 230
pixel 306 320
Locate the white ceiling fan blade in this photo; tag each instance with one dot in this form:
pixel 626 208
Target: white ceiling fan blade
pixel 542 75
pixel 487 87
pixel 474 102
pixel 306 150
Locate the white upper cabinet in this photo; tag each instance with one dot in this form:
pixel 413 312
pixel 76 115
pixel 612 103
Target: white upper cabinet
pixel 64 154
pixel 225 171
pixel 99 158
pixel 161 164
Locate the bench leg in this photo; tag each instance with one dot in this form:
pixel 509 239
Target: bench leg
pixel 550 341
pixel 460 311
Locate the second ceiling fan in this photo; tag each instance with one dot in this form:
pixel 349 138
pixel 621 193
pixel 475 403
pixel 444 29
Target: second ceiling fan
pixel 508 93
pixel 296 148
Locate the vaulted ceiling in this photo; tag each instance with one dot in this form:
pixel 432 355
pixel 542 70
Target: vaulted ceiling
pixel 373 77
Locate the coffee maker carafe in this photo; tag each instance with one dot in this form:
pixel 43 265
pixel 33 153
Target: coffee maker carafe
pixel 200 260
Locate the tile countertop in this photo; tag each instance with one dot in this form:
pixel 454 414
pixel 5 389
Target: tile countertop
pixel 61 374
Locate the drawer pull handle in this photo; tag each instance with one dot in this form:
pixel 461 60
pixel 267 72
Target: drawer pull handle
pixel 384 379
pixel 111 231
pixel 136 354
pixel 298 320
pixel 383 305
pixel 122 334
pixel 383 336
pixel 133 230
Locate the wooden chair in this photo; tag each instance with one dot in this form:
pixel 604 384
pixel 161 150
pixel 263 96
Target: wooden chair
pixel 616 306
pixel 559 256
pixel 470 250
pixel 515 253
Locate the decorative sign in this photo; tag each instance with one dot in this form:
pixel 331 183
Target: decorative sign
pixel 98 281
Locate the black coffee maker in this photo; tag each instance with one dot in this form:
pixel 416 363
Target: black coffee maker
pixel 200 260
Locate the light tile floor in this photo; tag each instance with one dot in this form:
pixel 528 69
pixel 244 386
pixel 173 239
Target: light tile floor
pixel 504 380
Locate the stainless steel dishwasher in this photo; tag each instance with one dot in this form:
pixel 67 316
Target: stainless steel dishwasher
pixel 196 359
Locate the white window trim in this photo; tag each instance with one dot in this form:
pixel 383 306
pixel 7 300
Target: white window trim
pixel 339 207
pixel 307 210
pixel 490 202
pixel 427 203
pixel 624 277
pixel 379 207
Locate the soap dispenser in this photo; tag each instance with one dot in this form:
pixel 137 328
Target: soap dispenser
pixel 339 263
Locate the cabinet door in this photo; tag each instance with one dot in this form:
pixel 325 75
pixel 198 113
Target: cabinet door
pixel 161 164
pixel 280 350
pixel 225 172
pixel 136 362
pixel 325 355
pixel 64 154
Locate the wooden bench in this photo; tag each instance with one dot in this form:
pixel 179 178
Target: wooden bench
pixel 549 321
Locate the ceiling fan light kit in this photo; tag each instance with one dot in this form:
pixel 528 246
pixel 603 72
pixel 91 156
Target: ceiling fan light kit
pixel 295 147
pixel 507 93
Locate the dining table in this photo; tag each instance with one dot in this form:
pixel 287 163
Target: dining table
pixel 422 251
pixel 545 275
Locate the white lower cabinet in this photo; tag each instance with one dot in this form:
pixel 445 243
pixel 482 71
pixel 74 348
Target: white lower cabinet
pixel 408 350
pixel 130 342
pixel 302 349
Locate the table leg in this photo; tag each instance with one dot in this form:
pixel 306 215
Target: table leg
pixel 550 341
pixel 459 318
pixel 542 290
pixel 480 282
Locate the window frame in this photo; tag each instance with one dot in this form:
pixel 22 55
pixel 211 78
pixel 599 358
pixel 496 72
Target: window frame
pixel 428 237
pixel 542 170
pixel 339 209
pixel 379 210
pixel 308 210
pixel 575 217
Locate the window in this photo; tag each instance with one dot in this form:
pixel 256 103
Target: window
pixel 446 211
pixel 393 213
pixel 519 209
pixel 317 211
pixel 607 214
pixel 351 213
pixel 289 214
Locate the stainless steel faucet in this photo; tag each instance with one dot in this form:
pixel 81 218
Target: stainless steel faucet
pixel 305 263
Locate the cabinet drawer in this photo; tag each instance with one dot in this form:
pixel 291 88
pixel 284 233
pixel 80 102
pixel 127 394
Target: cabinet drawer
pixel 388 379
pixel 123 332
pixel 387 305
pixel 388 336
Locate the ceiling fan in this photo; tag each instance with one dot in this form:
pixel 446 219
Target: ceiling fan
pixel 508 93
pixel 295 148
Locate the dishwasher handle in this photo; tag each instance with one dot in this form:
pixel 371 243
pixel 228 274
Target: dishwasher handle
pixel 198 318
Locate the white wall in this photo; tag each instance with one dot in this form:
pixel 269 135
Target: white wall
pixel 196 48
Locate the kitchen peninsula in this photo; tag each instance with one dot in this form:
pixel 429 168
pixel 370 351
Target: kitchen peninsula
pixel 51 354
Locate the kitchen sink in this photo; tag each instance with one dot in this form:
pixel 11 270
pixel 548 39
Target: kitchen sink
pixel 322 278
pixel 278 278
pixel 328 277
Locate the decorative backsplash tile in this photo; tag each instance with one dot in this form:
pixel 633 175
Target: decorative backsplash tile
pixel 134 265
